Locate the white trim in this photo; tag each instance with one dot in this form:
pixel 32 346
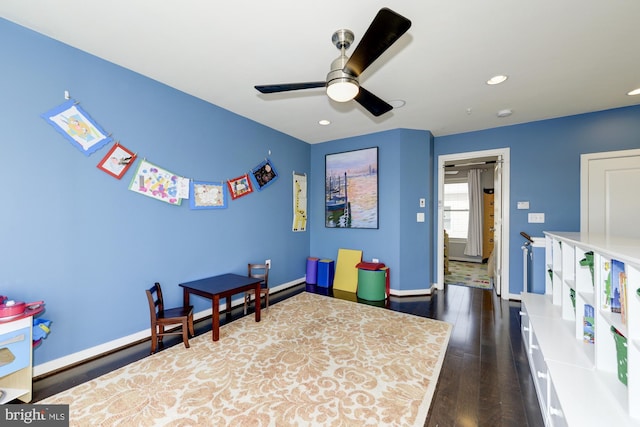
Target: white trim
pixel 504 246
pixel 411 292
pixel 90 353
pixel 515 297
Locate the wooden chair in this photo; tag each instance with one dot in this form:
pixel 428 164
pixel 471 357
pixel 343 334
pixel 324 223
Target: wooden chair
pixel 259 271
pixel 161 317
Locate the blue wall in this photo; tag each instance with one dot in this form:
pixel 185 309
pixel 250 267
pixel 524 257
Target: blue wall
pixel 79 239
pixel 545 167
pixel 405 159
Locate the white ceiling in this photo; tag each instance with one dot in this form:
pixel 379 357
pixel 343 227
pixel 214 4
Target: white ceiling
pixel 562 57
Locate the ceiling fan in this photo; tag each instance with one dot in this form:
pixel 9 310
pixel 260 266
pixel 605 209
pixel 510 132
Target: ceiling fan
pixel 342 81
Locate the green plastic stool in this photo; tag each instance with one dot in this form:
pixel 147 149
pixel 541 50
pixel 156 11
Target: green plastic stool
pixel 371 285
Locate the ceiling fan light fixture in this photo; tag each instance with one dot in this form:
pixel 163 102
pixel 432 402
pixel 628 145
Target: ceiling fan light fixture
pixel 634 92
pixel 342 89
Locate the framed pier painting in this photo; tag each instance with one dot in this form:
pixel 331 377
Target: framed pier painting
pixel 351 189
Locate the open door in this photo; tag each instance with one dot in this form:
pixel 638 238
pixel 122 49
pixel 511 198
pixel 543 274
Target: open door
pixel 497 231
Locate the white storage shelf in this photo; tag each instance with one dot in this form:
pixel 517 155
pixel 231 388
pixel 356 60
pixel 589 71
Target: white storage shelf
pixel 576 381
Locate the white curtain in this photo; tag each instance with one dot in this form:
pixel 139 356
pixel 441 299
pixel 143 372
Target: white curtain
pixel 474 236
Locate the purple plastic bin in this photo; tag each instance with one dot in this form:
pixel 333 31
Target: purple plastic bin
pixel 312 270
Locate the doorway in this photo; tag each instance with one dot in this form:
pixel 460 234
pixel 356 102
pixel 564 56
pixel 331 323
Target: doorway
pixel 498 158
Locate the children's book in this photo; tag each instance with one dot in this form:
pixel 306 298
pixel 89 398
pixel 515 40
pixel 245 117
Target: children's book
pixel 617 275
pixel 588 324
pixel 623 297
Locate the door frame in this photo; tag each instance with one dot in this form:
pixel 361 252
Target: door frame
pixel 504 154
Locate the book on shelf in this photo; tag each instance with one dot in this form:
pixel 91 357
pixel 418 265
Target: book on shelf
pixel 617 276
pixel 588 324
pixel 623 297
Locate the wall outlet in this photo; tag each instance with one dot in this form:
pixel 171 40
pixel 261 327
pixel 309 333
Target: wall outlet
pixel 268 262
pixel 536 218
pixel 376 260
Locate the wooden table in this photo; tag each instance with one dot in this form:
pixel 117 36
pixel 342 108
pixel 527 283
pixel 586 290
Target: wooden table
pixel 223 286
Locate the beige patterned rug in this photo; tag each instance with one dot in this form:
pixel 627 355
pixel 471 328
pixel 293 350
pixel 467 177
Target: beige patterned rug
pixel 312 361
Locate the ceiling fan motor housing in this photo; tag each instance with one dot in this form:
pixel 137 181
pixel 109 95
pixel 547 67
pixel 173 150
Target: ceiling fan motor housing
pixel 342 39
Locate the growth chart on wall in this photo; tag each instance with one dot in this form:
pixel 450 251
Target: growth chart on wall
pixel 299 202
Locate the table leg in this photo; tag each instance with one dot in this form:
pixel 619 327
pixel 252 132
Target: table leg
pixel 229 305
pixel 258 301
pixel 185 297
pixel 215 317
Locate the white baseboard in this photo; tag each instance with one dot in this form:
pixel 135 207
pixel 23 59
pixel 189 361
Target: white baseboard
pixel 462 259
pixel 411 292
pixel 90 353
pixel 515 297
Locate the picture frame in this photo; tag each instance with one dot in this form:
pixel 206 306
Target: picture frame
pixel 351 189
pixel 264 174
pixel 153 181
pixel 240 186
pixel 117 161
pixel 72 122
pixel 208 195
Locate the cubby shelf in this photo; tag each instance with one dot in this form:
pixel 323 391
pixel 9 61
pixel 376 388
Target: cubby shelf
pixel 577 382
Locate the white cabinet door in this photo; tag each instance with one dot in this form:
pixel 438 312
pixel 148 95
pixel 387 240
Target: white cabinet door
pixel 609 186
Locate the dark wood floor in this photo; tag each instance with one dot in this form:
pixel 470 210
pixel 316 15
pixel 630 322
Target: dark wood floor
pixel 485 378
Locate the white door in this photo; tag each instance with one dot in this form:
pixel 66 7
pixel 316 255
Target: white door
pixel 497 232
pixel 609 189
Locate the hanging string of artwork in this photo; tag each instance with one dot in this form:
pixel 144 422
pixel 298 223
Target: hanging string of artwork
pixel 151 180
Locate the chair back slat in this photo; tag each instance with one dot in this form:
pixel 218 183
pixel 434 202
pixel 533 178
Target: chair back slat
pixel 259 271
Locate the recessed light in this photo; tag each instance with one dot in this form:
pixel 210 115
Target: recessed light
pixel 505 113
pixel 495 80
pixel 324 122
pixel 634 92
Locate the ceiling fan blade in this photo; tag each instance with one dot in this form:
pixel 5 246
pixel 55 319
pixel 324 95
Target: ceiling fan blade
pixel 372 103
pixel 385 29
pixel 289 86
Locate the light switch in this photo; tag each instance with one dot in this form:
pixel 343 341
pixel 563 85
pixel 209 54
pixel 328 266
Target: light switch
pixel 523 205
pixel 536 218
pixel 420 217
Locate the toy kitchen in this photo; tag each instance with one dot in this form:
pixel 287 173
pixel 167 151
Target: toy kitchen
pixel 18 337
